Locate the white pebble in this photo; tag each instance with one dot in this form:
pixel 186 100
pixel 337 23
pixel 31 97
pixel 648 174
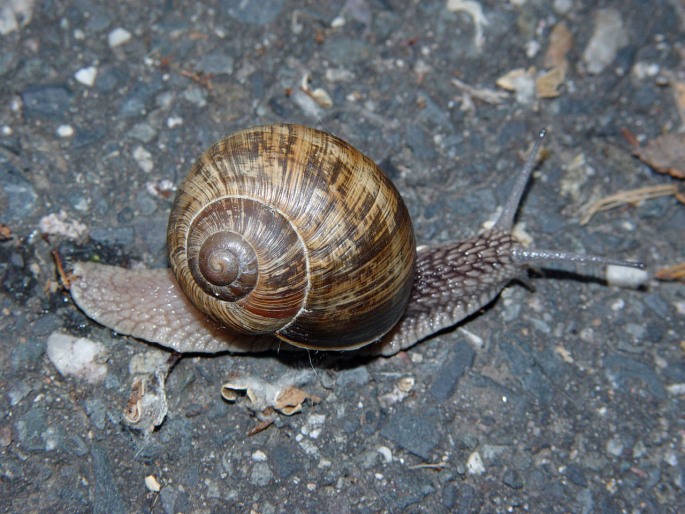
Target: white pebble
pixel 677 389
pixel 608 37
pixel 386 453
pixel 259 456
pixel 79 357
pixel 118 37
pixel 475 464
pixel 174 121
pixel 86 76
pixel 152 484
pixel 143 158
pixel 65 131
pixel 622 276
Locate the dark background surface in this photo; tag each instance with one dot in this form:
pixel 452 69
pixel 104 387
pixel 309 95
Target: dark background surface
pixel 571 396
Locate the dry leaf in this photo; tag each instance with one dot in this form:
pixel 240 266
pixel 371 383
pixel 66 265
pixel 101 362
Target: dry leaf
pixel 290 400
pixel 547 84
pixel 666 154
pixel 282 395
pixel 560 42
pixel 510 80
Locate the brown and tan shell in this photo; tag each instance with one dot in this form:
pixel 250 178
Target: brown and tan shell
pixel 319 243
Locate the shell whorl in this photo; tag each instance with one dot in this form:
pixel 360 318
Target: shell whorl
pixel 287 229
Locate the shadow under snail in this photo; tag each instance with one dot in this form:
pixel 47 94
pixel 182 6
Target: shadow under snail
pixel 289 231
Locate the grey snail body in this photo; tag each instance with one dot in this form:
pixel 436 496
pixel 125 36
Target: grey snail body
pixel 287 231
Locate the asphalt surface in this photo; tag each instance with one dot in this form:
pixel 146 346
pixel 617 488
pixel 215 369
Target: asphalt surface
pixel 565 398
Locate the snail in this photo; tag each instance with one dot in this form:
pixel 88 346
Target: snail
pixel 287 231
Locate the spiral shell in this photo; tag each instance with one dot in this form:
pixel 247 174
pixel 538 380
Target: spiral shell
pixel 288 230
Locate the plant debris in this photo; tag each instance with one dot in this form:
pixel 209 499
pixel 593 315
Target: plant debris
pixel 632 197
pixel 666 154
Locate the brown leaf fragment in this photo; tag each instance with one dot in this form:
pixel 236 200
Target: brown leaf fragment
pixel 674 273
pixel 547 85
pixel 290 400
pixel 5 232
pixel 666 154
pixel 560 42
pixel 270 417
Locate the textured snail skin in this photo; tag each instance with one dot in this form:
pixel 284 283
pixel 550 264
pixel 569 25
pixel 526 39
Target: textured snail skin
pixel 445 283
pixel 452 282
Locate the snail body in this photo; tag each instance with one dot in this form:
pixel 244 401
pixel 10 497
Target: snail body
pixel 287 231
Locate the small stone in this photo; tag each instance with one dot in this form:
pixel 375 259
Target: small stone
pixel 77 356
pixel 386 453
pixel 576 475
pixel 627 374
pixel 286 461
pixel 196 96
pixel 46 102
pixel 144 159
pixel 65 131
pixel 97 412
pixel 152 483
pixel 416 433
pixel 259 456
pixel 174 121
pixel 17 195
pixel 6 436
pixel 447 377
pixel 261 474
pixel 512 478
pixel 30 428
pixel 608 37
pixel 19 391
pixel 86 76
pixel 474 464
pixel 14 15
pixel 615 447
pixel 118 36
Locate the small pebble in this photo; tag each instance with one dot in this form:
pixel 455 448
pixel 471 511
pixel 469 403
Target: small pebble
pixel 65 131
pixel 143 158
pixel 174 121
pixel 386 453
pixel 79 357
pixel 86 76
pixel 608 37
pixel 152 484
pixel 474 464
pixel 259 456
pixel 118 37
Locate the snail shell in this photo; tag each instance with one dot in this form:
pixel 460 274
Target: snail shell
pixel 289 230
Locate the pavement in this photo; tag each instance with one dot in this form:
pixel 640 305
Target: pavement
pixel 563 398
